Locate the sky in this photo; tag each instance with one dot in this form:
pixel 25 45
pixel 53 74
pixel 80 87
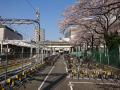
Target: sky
pixel 50 15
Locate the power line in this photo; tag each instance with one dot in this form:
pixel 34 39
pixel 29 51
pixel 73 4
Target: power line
pixel 30 4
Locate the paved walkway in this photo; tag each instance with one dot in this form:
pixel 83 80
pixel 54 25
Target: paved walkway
pixel 51 78
pixel 55 78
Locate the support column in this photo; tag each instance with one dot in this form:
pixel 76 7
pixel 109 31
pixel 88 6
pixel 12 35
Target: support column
pixel 1 47
pixel 53 50
pixel 45 52
pixel 72 49
pixel 42 55
pixel 76 50
pixel 69 49
pixel 31 52
pixel 38 52
pixel 80 47
pixel 22 52
pixel 6 68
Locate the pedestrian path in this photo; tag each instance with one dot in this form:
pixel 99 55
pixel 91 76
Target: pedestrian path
pixel 51 78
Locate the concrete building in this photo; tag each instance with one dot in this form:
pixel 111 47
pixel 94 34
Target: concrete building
pixel 70 33
pixel 12 44
pixel 42 34
pixel 7 33
pixel 39 35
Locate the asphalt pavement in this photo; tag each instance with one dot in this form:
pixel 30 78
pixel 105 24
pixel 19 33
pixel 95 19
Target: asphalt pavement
pixel 50 78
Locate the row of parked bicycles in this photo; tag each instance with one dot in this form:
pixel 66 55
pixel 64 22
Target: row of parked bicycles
pixel 87 68
pixel 51 59
pixel 26 76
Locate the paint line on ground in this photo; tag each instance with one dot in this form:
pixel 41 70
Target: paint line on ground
pixel 92 83
pixel 46 78
pixel 71 85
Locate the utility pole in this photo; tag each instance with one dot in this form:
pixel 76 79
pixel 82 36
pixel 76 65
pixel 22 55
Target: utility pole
pixel 37 33
pixel 37 28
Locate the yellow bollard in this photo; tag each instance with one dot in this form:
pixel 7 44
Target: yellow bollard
pixel 1 87
pixel 19 78
pixel 12 83
pixel 8 81
pixel 108 73
pixel 23 73
pixel 16 76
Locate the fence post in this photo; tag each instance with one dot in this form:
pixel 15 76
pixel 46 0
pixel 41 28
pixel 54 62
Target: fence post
pixel 119 54
pixel 100 54
pixel 108 56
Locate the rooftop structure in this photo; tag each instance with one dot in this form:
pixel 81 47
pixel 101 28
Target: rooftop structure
pixel 9 34
pixel 70 33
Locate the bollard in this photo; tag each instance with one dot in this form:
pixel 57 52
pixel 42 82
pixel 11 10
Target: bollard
pixel 16 77
pixel 8 81
pixel 12 83
pixel 1 87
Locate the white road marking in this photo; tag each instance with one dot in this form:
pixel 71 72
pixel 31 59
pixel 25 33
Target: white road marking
pixel 92 83
pixel 46 78
pixel 86 78
pixel 66 69
pixel 65 66
pixel 71 85
pixel 83 82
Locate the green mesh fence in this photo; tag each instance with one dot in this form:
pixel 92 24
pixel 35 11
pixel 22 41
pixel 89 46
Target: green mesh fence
pixel 77 54
pixel 111 58
pixel 102 56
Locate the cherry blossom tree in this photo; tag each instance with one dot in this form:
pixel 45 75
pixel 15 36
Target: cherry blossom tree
pixel 99 16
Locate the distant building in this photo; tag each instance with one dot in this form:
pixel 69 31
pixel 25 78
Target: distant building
pixel 39 35
pixel 42 34
pixel 7 33
pixel 70 33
